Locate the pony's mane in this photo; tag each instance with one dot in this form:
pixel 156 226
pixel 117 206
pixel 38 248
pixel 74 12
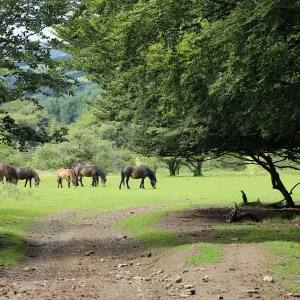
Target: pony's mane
pixel 101 173
pixel 151 173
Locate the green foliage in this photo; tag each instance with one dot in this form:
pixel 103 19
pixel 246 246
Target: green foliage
pixel 25 113
pixel 71 107
pixel 226 162
pixel 196 77
pixel 10 155
pixel 83 145
pixel 26 66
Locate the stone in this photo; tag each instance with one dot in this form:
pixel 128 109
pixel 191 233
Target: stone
pixel 268 278
pixel 188 286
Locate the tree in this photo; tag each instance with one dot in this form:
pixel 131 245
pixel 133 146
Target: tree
pixel 26 66
pixel 195 164
pixel 198 77
pixel 173 164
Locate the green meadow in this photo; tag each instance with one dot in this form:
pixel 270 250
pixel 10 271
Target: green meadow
pixel 21 208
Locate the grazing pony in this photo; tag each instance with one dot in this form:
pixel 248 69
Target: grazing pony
pixel 101 174
pixel 137 172
pixel 9 172
pixel 89 170
pixel 28 174
pixel 67 174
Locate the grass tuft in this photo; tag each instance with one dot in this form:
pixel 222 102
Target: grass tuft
pixel 208 253
pixel 288 267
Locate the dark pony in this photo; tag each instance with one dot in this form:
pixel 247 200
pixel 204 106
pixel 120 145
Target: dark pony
pixel 28 174
pixel 100 174
pixel 88 170
pixel 9 172
pixel 137 172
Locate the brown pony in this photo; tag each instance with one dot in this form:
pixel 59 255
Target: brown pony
pixel 137 172
pixel 66 174
pixel 28 174
pixel 89 170
pixel 9 172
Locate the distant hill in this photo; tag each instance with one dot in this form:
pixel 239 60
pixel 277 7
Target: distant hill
pixel 60 55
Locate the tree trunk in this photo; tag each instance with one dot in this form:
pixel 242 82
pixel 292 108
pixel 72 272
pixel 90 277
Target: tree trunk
pixel 198 168
pixel 269 166
pixel 278 185
pixel 173 166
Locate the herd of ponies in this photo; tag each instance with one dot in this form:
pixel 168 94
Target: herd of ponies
pixel 74 175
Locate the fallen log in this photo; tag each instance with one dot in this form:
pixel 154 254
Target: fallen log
pixel 233 216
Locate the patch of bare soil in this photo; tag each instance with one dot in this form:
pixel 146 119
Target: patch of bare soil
pixel 89 259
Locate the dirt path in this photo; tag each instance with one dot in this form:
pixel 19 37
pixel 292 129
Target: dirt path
pixel 89 259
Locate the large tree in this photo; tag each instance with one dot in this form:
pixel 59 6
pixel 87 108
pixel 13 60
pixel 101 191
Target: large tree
pixel 198 76
pixel 26 66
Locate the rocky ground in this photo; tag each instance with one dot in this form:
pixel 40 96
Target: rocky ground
pixel 89 259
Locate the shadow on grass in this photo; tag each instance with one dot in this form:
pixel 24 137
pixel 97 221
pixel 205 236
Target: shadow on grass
pixel 147 231
pixel 157 229
pixel 13 227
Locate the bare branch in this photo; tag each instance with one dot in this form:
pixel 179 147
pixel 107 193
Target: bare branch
pixel 291 192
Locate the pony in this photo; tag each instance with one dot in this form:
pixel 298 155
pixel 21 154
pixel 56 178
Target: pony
pixel 89 170
pixel 28 174
pixel 9 172
pixel 137 172
pixel 100 174
pixel 67 174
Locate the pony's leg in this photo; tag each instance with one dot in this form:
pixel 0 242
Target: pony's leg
pixel 127 179
pixel 58 182
pixel 80 179
pixel 122 181
pixel 94 180
pixel 69 182
pixel 25 182
pixel 142 184
pixel 30 182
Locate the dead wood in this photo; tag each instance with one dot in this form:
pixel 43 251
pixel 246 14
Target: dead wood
pixel 276 205
pixel 245 200
pixel 233 216
pixel 246 203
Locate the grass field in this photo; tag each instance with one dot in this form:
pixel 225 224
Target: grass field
pixel 22 207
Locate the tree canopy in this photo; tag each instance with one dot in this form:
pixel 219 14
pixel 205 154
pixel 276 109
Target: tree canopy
pixel 197 76
pixel 26 67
